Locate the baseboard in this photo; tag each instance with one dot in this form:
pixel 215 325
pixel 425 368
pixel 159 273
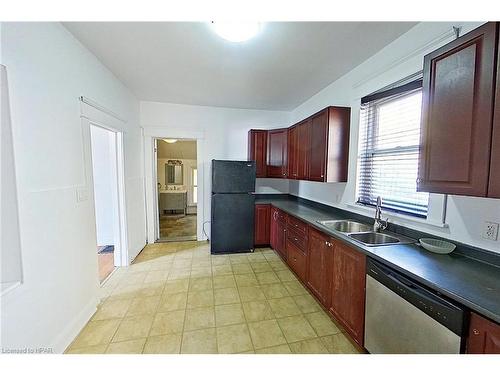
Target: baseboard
pixel 68 334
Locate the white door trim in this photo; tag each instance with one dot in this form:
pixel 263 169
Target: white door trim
pixel 150 133
pixel 93 116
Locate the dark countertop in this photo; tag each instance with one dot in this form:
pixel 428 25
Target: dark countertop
pixel 473 283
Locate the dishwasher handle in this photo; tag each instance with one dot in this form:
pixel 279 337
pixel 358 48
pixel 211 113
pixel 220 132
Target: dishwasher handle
pixel 439 308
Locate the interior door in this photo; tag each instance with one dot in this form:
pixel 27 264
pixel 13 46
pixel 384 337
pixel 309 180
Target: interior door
pixel 457 109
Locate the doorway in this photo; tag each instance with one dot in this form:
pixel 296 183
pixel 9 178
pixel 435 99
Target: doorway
pixel 105 173
pixel 176 168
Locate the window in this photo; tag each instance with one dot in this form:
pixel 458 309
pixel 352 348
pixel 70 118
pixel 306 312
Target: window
pixel 389 147
pixel 195 185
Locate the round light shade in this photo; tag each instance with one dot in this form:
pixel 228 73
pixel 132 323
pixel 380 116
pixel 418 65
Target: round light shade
pixel 170 140
pixel 236 31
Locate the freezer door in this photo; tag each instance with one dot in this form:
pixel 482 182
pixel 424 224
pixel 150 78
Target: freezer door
pixel 232 226
pixel 233 176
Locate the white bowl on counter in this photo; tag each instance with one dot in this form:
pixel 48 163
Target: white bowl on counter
pixel 437 246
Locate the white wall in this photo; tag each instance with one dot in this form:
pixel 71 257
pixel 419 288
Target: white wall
pixel 48 71
pixel 224 136
pixel 465 215
pixel 104 176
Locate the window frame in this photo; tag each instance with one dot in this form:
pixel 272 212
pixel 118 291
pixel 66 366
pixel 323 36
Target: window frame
pixel 194 196
pixel 381 97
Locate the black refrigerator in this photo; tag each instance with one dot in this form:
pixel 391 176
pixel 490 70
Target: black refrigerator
pixel 233 204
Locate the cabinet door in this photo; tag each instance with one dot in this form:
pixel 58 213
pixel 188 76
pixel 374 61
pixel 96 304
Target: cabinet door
pixel 484 336
pixel 293 157
pixel 494 183
pixel 319 141
pixel 303 149
pixel 281 239
pixel 277 153
pixel 348 289
pixel 319 262
pixel 457 111
pixel 257 150
pixel 262 224
pixel 273 235
pixel 296 259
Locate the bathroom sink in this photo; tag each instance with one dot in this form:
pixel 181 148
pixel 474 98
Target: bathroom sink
pixel 374 238
pixel 345 226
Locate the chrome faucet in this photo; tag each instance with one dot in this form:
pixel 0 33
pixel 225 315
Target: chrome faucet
pixel 379 224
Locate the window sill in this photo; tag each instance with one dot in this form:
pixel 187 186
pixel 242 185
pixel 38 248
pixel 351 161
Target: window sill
pixel 391 215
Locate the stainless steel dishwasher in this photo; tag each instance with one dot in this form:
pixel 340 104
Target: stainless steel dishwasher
pixel 402 316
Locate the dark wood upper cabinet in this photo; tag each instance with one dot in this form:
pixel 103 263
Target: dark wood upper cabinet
pixel 484 336
pixel 257 150
pixel 277 141
pixel 303 149
pixel 293 154
pixel 315 149
pixel 494 183
pixel 457 111
pixel 319 143
pixel 329 145
pixel 319 266
pixel 348 289
pixel 262 224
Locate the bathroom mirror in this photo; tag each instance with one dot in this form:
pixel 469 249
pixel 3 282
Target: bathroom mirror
pixel 173 174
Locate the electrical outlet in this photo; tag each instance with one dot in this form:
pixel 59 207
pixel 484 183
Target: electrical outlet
pixel 490 230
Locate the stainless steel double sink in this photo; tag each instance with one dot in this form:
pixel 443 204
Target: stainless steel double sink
pixel 364 233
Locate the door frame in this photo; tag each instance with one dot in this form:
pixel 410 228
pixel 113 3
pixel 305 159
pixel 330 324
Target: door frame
pixel 150 134
pixel 155 184
pixel 94 116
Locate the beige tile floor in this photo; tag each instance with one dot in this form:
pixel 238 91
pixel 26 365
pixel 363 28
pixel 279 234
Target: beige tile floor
pixel 177 298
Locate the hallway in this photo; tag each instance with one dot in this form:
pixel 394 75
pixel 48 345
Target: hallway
pixel 177 298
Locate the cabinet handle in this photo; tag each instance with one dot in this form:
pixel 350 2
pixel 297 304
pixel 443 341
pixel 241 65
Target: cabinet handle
pixel 475 331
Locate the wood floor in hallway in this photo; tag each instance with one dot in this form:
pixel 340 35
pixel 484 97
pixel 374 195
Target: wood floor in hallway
pixel 178 298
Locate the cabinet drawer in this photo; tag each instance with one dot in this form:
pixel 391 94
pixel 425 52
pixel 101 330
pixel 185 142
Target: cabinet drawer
pixel 296 224
pixel 299 239
pixel 296 260
pixel 281 216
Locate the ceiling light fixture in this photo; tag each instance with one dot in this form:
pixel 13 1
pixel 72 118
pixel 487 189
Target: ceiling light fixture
pixel 236 31
pixel 170 140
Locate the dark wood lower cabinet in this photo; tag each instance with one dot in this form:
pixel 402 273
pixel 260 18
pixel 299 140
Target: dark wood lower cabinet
pixel 348 289
pixel 262 224
pixel 297 259
pixel 278 232
pixel 484 336
pixel 319 266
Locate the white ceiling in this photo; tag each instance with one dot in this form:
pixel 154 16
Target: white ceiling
pixel 181 149
pixel 185 62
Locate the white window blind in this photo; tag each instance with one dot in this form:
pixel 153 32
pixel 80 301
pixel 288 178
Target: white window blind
pixel 389 147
